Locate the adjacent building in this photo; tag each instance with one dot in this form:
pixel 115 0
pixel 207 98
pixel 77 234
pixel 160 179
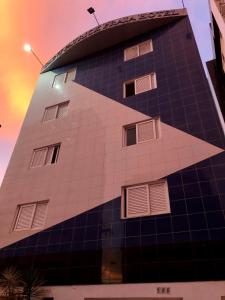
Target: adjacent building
pixel 216 66
pixel 116 186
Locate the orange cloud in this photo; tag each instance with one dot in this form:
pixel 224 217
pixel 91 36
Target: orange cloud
pixel 5 20
pixel 19 92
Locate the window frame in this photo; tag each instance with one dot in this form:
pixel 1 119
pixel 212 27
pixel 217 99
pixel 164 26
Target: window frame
pixel 55 78
pixel 70 71
pixel 152 81
pixel 156 129
pixel 57 110
pixel 65 74
pixel 137 46
pixel 46 148
pixel 124 206
pixel 19 211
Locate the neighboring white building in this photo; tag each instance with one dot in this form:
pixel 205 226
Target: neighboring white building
pixel 218 16
pixel 216 67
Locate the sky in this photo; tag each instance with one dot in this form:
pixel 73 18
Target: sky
pixel 48 25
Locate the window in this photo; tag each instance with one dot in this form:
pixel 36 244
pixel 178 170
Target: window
pixel 45 156
pixel 70 75
pixel 140 85
pixel 145 199
pixel 59 79
pixel 62 78
pixel 138 50
pixel 56 111
pixel 141 132
pixel 31 216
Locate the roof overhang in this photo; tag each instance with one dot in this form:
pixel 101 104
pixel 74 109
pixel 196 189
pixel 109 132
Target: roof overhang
pixel 111 33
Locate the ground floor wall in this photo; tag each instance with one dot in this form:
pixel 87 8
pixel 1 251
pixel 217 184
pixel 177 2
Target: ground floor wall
pixel 211 290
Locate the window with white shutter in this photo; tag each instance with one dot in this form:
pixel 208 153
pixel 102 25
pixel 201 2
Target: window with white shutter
pixel 146 131
pixel 137 201
pixel 62 110
pixel 145 200
pixel 145 47
pixel 140 85
pixel 45 156
pixel 50 113
pixel 159 198
pixel 25 216
pixel 138 50
pixel 49 155
pixel 70 75
pixel 31 216
pixel 56 111
pixel 52 154
pixel 62 78
pixel 58 81
pixel 38 157
pixel 130 53
pixel 142 132
pixel 39 215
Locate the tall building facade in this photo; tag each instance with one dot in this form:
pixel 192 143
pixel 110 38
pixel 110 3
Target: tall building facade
pixel 216 66
pixel 116 186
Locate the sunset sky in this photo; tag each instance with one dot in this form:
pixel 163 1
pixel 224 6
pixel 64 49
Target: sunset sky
pixel 48 25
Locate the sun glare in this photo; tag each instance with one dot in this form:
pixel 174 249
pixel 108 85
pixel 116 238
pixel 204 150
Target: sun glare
pixel 27 47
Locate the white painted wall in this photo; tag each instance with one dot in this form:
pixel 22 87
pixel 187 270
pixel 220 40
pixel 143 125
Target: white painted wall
pixel 212 290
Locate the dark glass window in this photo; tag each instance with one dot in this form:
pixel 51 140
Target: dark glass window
pixel 55 154
pixel 129 89
pixel 131 136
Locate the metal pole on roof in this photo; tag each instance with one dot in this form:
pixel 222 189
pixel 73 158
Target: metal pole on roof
pixel 182 3
pixel 92 12
pixel 28 48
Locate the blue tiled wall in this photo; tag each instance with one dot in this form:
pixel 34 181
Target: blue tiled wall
pixel 182 98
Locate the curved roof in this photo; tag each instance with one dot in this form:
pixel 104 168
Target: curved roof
pixel 111 33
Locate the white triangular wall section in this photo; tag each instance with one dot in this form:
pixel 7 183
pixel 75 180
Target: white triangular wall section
pixel 93 164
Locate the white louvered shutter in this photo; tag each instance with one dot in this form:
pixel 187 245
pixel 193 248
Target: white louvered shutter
pixel 40 215
pixel 25 216
pixel 153 81
pixel 50 113
pixel 137 203
pixel 130 53
pixel 59 80
pixel 146 131
pixel 50 151
pixel 159 198
pixel 38 157
pixel 70 75
pixel 62 110
pixel 142 84
pixel 145 47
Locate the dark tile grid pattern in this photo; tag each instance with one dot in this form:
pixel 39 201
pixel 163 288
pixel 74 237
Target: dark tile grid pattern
pixel 182 99
pixel 197 199
pixel 197 196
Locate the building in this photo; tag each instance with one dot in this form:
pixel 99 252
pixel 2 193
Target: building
pixel 216 66
pixel 118 175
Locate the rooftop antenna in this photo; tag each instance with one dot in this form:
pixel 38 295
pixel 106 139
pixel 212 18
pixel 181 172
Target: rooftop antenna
pixel 92 12
pixel 182 3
